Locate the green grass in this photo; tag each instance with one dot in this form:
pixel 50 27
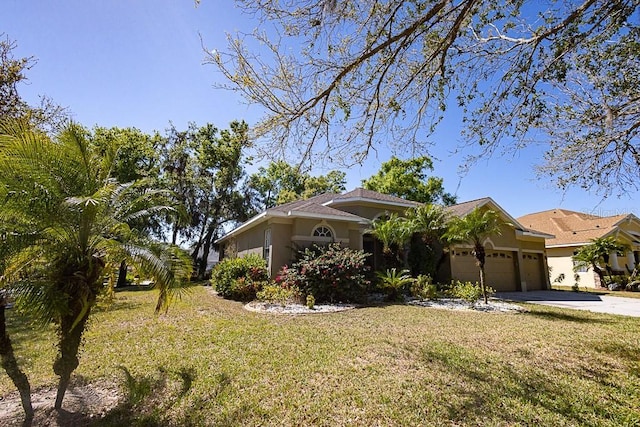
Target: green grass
pixel 210 362
pixel 598 291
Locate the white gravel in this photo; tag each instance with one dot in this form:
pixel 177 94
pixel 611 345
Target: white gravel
pixel 457 304
pixel 443 303
pixel 265 307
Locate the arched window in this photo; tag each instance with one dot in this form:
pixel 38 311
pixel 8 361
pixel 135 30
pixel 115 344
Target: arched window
pixel 322 231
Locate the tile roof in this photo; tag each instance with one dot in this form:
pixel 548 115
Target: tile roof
pixel 569 227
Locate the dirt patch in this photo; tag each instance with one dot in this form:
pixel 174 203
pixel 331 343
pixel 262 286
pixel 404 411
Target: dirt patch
pixel 83 405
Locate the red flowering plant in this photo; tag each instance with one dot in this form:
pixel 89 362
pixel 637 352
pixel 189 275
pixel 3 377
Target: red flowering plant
pixel 331 274
pixel 240 278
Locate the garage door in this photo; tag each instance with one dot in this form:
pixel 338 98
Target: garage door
pixel 463 266
pixel 499 268
pixel 532 267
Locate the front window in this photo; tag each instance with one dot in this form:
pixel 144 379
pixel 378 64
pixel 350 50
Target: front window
pixel 322 231
pixel 266 249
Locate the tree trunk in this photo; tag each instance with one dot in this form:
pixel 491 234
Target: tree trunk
pixel 174 234
pixel 10 365
pixel 206 246
pixel 70 340
pixel 122 275
pixel 600 274
pixel 480 255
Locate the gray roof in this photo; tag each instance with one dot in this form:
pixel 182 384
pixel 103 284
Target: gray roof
pixel 465 208
pixel 374 196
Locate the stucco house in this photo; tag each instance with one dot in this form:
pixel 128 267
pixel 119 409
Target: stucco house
pixel 573 230
pixel 515 259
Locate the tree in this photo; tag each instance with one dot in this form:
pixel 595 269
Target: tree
pixel 408 179
pixel 135 157
pixel 13 72
pixel 69 221
pixel 474 228
pixel 596 255
pixel 281 182
pixel 346 77
pixel 203 168
pixel 394 232
pixel 429 224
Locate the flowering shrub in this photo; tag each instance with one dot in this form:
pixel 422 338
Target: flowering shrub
pixel 330 274
pixel 239 278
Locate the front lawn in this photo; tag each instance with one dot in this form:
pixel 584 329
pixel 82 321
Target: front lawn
pixel 387 365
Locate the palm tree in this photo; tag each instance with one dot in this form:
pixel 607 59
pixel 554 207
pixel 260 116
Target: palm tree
pixel 474 228
pixel 597 253
pixel 394 232
pixel 428 223
pixel 58 194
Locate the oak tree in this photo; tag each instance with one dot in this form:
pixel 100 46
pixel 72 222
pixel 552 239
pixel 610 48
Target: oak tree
pixel 339 79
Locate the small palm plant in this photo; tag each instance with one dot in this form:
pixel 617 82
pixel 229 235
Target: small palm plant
pixel 596 255
pixel 393 282
pixel 474 228
pixel 68 223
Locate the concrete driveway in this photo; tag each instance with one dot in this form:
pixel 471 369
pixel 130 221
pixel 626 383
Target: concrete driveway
pixel 577 301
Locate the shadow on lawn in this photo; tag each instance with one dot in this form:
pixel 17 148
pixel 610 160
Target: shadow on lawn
pixel 566 316
pixel 485 388
pixel 148 398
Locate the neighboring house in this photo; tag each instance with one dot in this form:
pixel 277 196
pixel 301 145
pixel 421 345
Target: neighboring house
pixel 573 230
pixel 515 260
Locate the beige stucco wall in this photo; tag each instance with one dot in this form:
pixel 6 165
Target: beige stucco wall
pixel 289 235
pixel 251 241
pixel 560 262
pixel 505 274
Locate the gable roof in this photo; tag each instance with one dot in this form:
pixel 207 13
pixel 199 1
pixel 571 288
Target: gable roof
pixel 462 209
pixel 572 228
pixel 318 207
pixel 364 195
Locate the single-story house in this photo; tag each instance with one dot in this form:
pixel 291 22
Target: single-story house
pixel 572 230
pixel 515 259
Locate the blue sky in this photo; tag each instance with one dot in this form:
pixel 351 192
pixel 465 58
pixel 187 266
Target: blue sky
pixel 140 63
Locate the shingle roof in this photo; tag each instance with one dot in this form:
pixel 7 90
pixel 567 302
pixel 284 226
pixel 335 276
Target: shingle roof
pixel 361 193
pixel 312 206
pixel 569 227
pixel 462 209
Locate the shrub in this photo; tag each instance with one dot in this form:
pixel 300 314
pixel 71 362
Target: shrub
pixel 311 302
pixel 424 288
pixel 239 278
pixel 467 291
pixel 330 274
pixel 277 294
pixel 393 282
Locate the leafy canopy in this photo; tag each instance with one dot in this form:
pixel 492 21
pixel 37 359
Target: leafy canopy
pixel 338 79
pixel 281 182
pixel 408 179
